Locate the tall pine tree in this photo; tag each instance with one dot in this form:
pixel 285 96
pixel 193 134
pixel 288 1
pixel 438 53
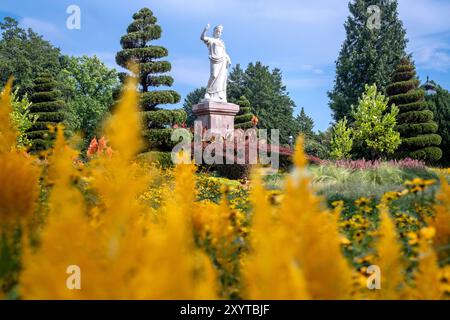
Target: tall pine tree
pixel 368 55
pixel 305 124
pixel 414 121
pixel 268 97
pixel 157 123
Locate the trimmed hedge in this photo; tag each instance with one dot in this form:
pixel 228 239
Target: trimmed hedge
pixel 157 81
pixel 243 120
pixel 429 154
pixel 147 33
pixel 161 118
pixel 126 55
pixel 403 76
pixel 414 129
pixel 402 86
pixel 414 121
pixel 47 106
pixel 149 100
pixel 415 106
pixel 50 106
pixel 415 116
pixel 155 67
pixel 409 97
pixel 421 141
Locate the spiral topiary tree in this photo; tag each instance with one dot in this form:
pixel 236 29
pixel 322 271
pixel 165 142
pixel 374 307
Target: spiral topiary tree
pixel 48 107
pixel 243 119
pixel 157 123
pixel 414 121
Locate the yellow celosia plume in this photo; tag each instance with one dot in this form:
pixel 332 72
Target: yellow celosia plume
pixel 271 271
pixel 389 260
pixel 19 175
pixel 119 252
pixel 427 284
pixel 8 134
pixel 441 222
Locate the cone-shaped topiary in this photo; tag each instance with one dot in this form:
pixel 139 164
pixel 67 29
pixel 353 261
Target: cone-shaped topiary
pixel 157 123
pixel 243 119
pixel 48 107
pixel 414 121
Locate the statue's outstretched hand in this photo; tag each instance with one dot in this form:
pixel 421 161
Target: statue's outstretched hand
pixel 207 26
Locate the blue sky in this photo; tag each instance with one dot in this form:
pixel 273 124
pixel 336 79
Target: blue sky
pixel 301 37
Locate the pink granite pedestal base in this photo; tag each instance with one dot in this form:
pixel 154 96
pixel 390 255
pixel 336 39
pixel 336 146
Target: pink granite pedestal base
pixel 216 116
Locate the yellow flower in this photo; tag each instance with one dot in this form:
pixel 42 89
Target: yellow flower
pixel 344 241
pixel 445 279
pixel 428 233
pixel 413 239
pixel 362 202
pixel 390 196
pixel 419 184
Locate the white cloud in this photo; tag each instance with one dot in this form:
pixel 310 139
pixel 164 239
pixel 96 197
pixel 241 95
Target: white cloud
pixel 45 28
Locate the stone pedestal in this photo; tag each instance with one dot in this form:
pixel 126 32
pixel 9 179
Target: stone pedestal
pixel 216 116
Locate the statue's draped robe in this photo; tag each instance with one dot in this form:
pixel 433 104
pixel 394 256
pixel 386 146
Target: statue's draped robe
pixel 217 84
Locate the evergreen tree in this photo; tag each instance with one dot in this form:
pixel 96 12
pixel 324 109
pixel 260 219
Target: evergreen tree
pixel 368 55
pixel 24 55
pixel 191 99
pixel 47 106
pixel 245 116
pixel 415 120
pixel 156 123
pixel 439 104
pixel 305 124
pixel 268 97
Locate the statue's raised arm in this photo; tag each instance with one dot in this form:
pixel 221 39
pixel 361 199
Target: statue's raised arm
pixel 203 36
pixel 220 61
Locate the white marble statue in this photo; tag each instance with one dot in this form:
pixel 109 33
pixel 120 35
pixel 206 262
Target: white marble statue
pixel 220 62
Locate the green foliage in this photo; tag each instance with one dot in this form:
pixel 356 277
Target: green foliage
pixel 24 54
pixel 243 119
pixel 341 141
pixel 415 121
pixel 367 55
pixel 317 149
pixel 268 97
pixel 88 86
pixel 439 104
pixel 191 99
pixel 46 96
pixel 162 118
pixel 374 127
pixel 136 48
pixel 22 118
